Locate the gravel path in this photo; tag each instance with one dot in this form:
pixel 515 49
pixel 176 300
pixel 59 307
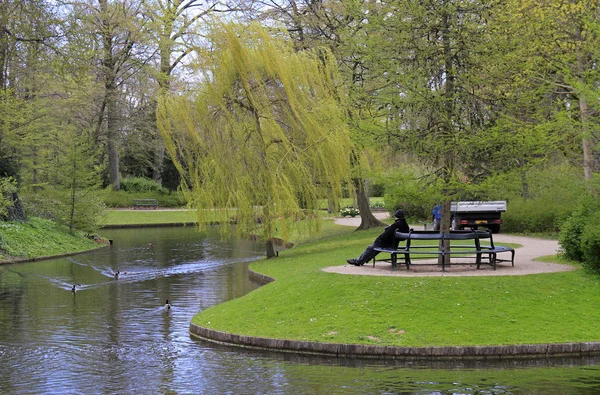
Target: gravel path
pixel 530 248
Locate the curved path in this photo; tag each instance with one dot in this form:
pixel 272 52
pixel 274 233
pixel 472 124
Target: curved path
pixel 530 248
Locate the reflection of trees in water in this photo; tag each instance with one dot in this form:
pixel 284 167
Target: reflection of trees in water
pixel 12 293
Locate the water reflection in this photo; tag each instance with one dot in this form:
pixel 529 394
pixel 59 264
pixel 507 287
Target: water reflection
pixel 113 335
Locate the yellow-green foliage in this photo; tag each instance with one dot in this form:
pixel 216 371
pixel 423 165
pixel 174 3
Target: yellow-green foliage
pixel 8 186
pixel 263 133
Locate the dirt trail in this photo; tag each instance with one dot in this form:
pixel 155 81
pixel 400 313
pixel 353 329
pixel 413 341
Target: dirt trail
pixel 530 248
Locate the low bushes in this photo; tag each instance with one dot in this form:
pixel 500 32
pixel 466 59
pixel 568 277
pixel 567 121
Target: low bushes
pixel 590 243
pixel 579 236
pixel 539 200
pixel 534 215
pixel 141 185
pixel 141 188
pixel 83 210
pixel 349 211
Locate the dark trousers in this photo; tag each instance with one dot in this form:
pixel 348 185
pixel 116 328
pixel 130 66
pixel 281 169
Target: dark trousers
pixel 367 255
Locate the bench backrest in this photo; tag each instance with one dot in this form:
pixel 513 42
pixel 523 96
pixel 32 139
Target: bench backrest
pixel 452 235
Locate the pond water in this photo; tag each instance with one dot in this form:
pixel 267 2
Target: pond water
pixel 113 336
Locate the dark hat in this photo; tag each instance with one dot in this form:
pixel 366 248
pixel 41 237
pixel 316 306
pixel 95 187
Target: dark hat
pixel 399 214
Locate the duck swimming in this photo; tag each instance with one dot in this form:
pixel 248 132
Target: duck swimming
pixel 167 305
pixel 74 287
pixel 117 274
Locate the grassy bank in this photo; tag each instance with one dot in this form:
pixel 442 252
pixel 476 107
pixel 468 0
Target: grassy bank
pixel 40 238
pixel 305 303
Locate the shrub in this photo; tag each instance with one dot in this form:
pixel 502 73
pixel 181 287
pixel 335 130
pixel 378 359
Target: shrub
pixel 550 196
pixel 8 186
pixel 590 243
pixel 534 215
pixel 378 205
pixel 141 185
pixel 41 206
pixel 377 189
pixel 349 211
pixel 572 230
pixel 125 199
pixel 85 213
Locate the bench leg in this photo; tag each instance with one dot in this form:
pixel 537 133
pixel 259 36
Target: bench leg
pixel 407 260
pixel 394 259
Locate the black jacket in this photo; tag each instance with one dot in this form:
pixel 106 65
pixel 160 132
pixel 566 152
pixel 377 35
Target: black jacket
pixel 388 238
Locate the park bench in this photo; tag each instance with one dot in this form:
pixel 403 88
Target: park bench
pixel 144 203
pixel 483 253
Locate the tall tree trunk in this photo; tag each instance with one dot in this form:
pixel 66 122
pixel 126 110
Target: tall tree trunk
pixel 164 84
pixel 110 98
pixel 448 114
pixel 112 135
pixel 270 249
pixel 4 48
pixel 367 219
pixel 588 157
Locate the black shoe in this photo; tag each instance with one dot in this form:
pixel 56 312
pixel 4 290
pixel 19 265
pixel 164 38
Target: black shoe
pixel 353 262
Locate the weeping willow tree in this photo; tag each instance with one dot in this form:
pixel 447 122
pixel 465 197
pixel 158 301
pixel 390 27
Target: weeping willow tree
pixel 262 137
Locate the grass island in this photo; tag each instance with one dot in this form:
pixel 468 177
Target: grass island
pixel 309 310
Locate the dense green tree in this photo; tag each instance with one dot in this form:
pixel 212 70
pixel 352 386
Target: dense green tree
pixel 174 28
pixel 262 136
pixel 344 28
pixel 116 49
pixel 559 48
pixel 29 34
pixel 8 187
pixel 78 180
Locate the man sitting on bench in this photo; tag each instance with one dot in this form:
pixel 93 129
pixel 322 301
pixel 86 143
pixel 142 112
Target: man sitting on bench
pixel 386 240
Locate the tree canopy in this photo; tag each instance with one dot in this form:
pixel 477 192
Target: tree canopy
pixel 466 91
pixel 262 136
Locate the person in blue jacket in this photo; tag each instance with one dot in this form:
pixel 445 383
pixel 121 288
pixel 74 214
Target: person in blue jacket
pixel 437 216
pixel 386 240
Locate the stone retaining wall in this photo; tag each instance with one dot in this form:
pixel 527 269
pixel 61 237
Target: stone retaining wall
pixel 393 352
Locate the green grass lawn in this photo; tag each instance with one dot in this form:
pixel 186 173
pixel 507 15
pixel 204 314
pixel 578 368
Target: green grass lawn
pixel 148 217
pixel 152 217
pixel 305 303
